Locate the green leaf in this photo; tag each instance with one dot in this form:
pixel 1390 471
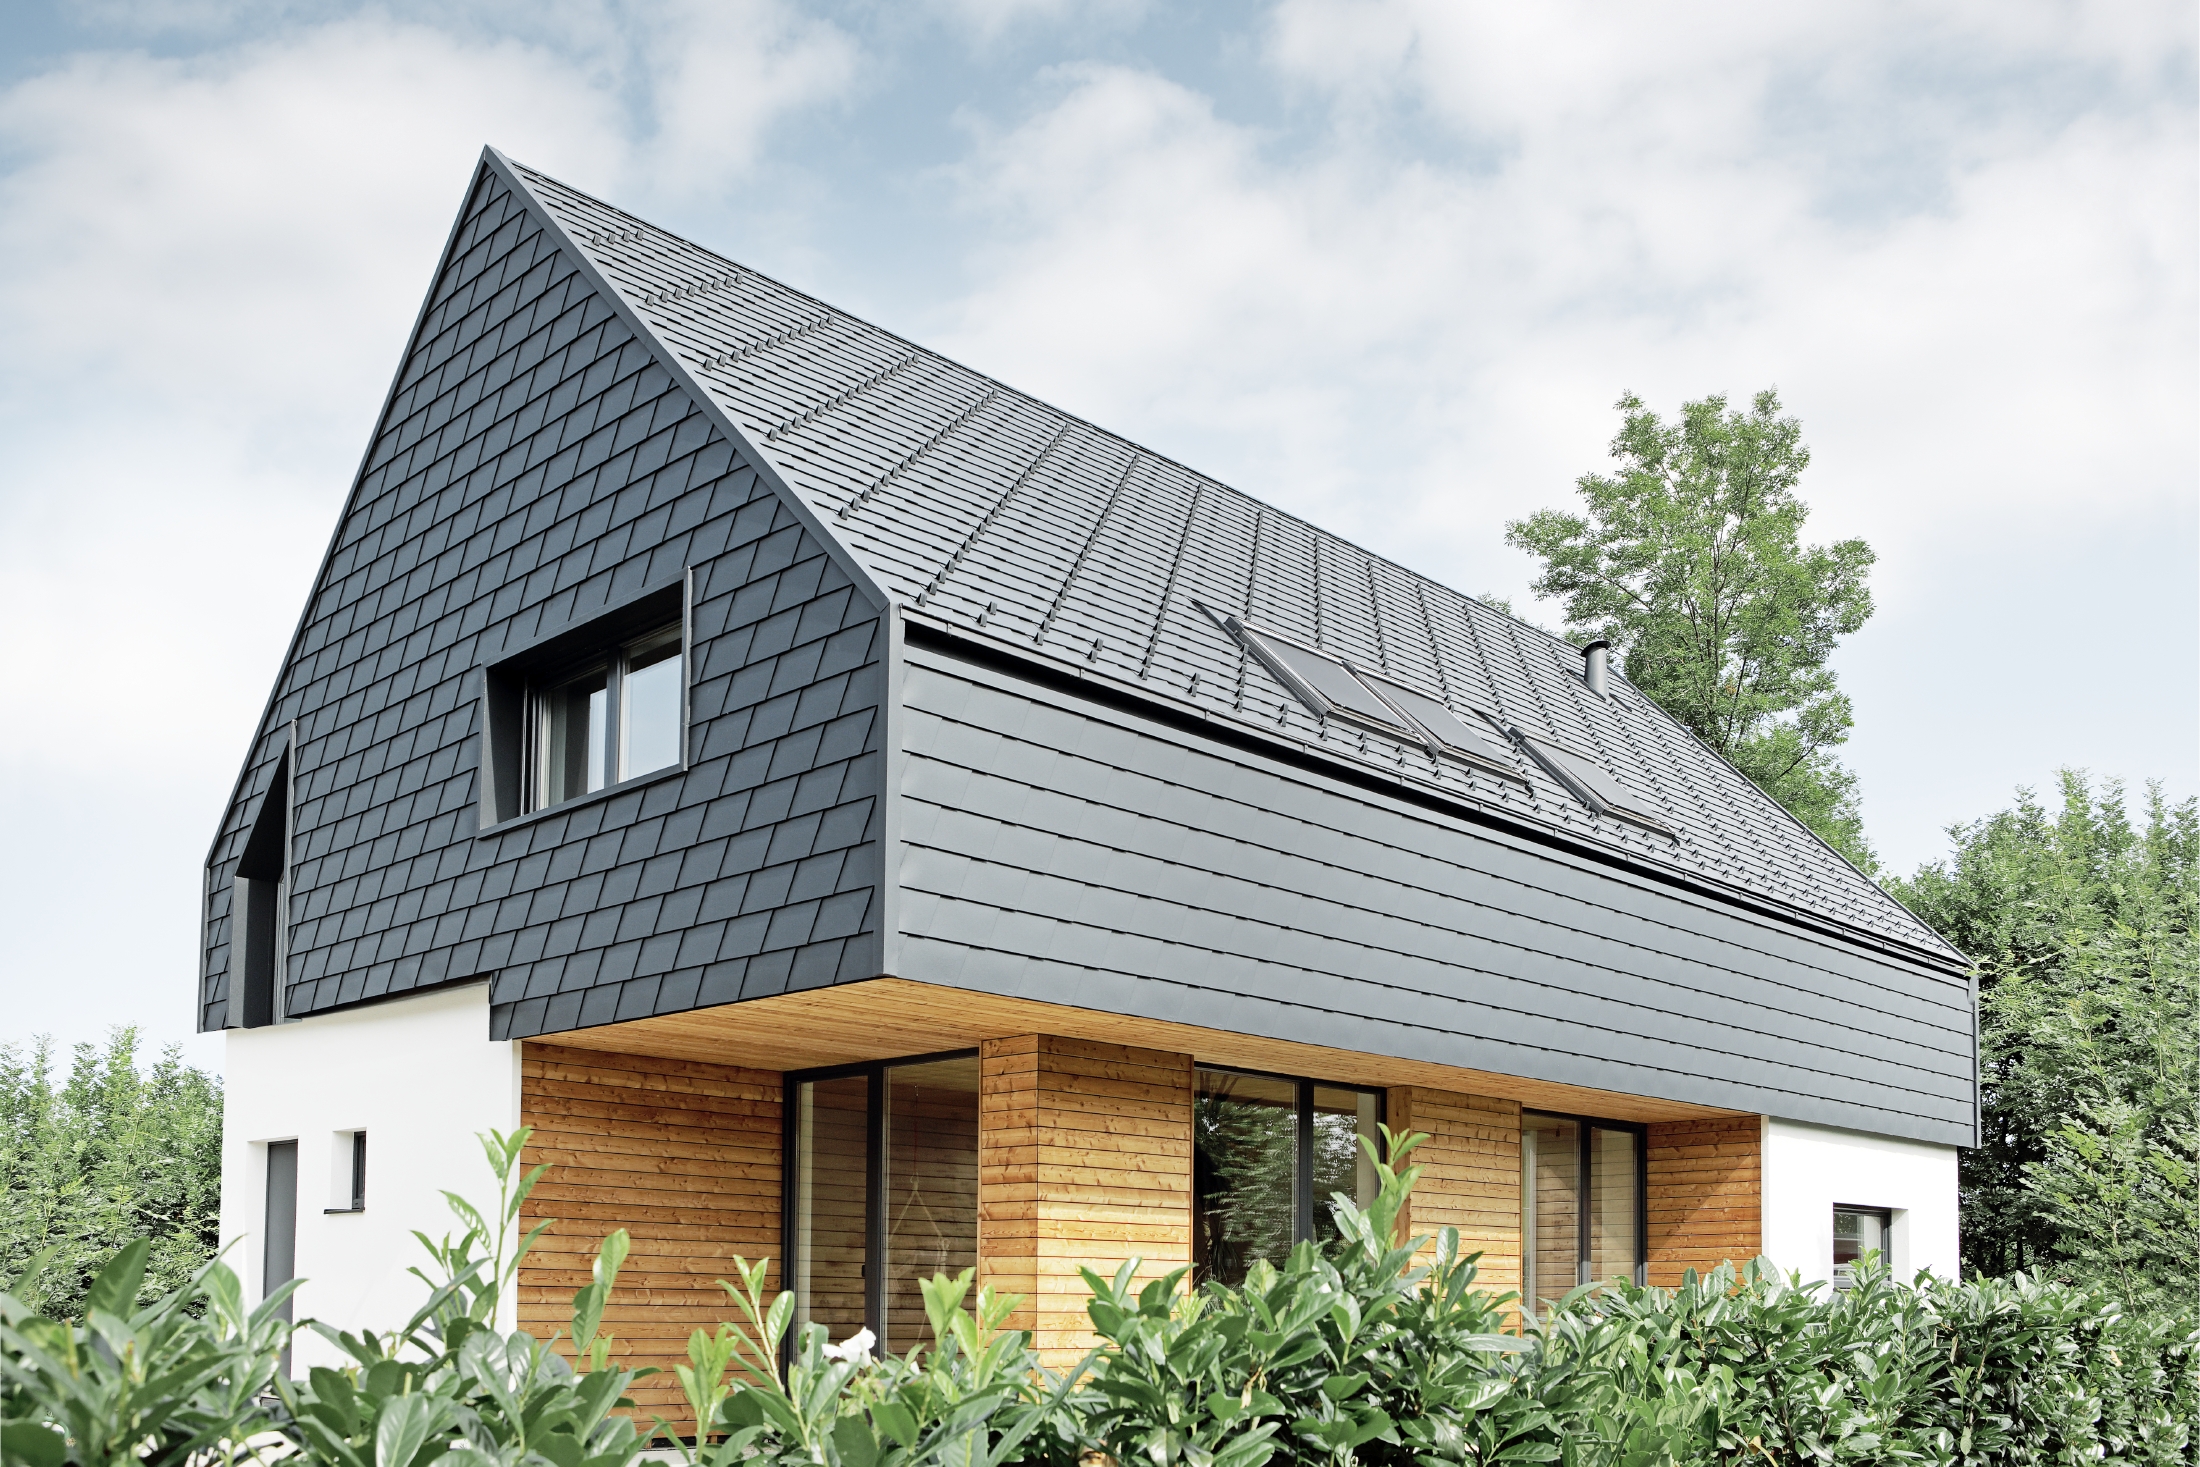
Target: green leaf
pixel 115 1290
pixel 853 1440
pixel 34 1445
pixel 402 1429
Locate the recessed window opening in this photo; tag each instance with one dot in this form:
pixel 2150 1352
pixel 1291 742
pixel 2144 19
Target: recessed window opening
pixel 613 717
pixel 884 1162
pixel 1582 1210
pixel 259 895
pixel 348 1172
pixel 279 1228
pixel 1856 1232
pixel 1268 1154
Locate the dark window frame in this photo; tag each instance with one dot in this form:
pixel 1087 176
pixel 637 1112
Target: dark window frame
pixel 1303 1201
pixel 1584 1128
pixel 511 685
pixel 874 1179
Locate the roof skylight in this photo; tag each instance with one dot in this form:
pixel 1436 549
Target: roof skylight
pixel 1592 784
pixel 1447 732
pixel 1324 684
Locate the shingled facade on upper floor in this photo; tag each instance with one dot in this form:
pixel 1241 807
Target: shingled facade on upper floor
pixel 973 734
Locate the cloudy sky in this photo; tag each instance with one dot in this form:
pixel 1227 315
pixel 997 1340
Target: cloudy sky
pixel 1384 264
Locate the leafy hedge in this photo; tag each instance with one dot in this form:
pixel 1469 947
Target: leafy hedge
pixel 1361 1352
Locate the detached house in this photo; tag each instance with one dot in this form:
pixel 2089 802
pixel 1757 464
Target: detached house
pixel 862 815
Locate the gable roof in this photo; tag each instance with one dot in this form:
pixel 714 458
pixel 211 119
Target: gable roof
pixel 1001 518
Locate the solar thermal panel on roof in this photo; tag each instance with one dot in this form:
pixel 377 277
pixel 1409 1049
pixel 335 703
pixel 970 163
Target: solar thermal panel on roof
pixel 1022 525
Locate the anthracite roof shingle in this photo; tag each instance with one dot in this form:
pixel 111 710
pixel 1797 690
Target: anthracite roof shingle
pixel 1009 521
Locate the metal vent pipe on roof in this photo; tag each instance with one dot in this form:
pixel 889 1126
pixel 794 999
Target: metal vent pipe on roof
pixel 1596 659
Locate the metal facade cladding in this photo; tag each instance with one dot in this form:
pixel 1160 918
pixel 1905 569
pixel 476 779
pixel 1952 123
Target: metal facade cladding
pixel 537 466
pixel 964 711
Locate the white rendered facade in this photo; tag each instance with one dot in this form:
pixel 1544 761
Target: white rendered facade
pixel 420 1076
pixel 1810 1170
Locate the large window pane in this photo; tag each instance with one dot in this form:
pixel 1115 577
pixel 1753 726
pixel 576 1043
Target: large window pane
pixel 1550 1198
pixel 831 1172
pixel 651 692
pixel 931 1187
pixel 1612 1216
pixel 1244 1172
pixel 1342 1118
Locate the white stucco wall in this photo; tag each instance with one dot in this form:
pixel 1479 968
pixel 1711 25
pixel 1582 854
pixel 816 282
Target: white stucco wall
pixel 421 1077
pixel 1808 1170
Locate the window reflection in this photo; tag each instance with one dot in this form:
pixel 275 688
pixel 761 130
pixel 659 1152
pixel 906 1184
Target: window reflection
pixel 1342 1119
pixel 831 1177
pixel 931 1187
pixel 1580 1205
pixel 1269 1154
pixel 925 1119
pixel 1244 1172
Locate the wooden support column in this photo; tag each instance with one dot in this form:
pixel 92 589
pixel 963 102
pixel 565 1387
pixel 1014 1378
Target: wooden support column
pixel 1705 1197
pixel 1472 1181
pixel 686 1157
pixel 1084 1160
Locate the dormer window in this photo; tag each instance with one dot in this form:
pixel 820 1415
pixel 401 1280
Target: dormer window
pixel 612 718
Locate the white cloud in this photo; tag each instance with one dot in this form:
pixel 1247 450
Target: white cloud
pixel 1961 242
pixel 214 262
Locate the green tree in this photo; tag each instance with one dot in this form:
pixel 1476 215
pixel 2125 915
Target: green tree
pixel 105 1155
pixel 2082 924
pixel 1689 559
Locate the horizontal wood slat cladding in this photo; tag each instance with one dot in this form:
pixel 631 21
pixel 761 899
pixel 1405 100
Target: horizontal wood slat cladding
pixel 1084 1159
pixel 686 1157
pixel 1706 1195
pixel 1472 1176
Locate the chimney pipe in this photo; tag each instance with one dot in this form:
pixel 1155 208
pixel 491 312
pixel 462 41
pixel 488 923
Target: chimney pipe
pixel 1595 666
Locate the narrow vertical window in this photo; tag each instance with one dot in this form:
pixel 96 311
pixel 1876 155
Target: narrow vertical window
pixel 257 919
pixel 279 1232
pixel 1550 1200
pixel 358 1171
pixel 832 1172
pixel 931 1187
pixel 1581 1205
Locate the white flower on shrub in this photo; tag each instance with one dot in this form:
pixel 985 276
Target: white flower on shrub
pixel 856 1349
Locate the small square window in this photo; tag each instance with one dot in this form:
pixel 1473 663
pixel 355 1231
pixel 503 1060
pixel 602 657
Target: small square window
pixel 586 709
pixel 613 719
